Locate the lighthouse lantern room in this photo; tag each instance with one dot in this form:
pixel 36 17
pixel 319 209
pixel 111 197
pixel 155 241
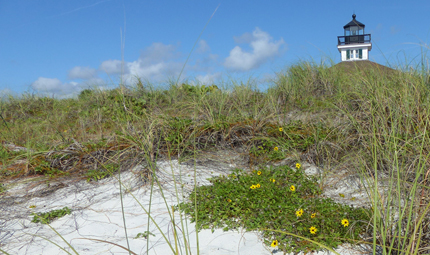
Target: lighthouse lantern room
pixel 354 44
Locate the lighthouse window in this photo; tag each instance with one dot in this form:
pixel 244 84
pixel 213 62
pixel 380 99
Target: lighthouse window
pixel 360 54
pixel 348 54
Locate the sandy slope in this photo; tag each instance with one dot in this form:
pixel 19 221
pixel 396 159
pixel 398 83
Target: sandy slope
pixel 96 214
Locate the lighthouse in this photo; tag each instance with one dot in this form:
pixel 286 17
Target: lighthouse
pixel 354 45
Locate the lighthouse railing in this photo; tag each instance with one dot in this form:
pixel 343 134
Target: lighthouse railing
pixel 352 39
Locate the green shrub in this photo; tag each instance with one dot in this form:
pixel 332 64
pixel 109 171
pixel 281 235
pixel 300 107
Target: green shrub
pixel 47 217
pixel 279 199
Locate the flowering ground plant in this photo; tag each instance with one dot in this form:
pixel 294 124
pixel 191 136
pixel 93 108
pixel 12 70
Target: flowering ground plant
pixel 280 198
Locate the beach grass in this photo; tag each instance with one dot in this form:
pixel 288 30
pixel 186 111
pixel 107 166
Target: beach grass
pixel 368 122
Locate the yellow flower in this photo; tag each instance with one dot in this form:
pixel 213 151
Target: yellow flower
pixel 253 187
pixel 279 211
pixel 272 180
pixel 298 165
pixel 259 172
pixel 276 148
pixel 313 215
pixel 292 188
pixel 313 230
pixel 258 185
pixel 274 243
pixel 281 129
pixel 229 200
pixel 299 213
pixel 345 222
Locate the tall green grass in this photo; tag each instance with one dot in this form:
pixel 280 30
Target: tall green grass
pixel 371 123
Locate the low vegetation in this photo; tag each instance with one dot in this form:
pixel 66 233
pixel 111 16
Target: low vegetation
pixel 281 198
pixel 47 217
pixel 368 122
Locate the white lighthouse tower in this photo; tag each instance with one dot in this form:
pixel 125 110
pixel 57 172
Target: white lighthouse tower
pixel 354 44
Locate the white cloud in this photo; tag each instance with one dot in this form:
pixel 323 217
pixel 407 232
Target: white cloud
pixel 140 69
pixel 207 79
pixel 263 49
pixel 203 47
pixel 156 63
pixel 91 84
pixel 245 38
pixel 49 86
pixel 158 52
pixel 79 72
pixel 112 67
pixel 154 72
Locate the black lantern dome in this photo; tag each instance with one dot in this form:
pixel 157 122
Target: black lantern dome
pixel 354 33
pixel 354 27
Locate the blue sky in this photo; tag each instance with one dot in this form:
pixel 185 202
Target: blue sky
pixel 59 47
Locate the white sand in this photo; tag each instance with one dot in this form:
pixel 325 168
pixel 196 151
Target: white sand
pixel 96 214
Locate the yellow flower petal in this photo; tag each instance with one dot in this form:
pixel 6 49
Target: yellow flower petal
pixel 345 222
pixel 274 243
pixel 299 213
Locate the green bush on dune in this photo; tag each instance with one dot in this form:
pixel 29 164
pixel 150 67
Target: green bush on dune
pixel 278 198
